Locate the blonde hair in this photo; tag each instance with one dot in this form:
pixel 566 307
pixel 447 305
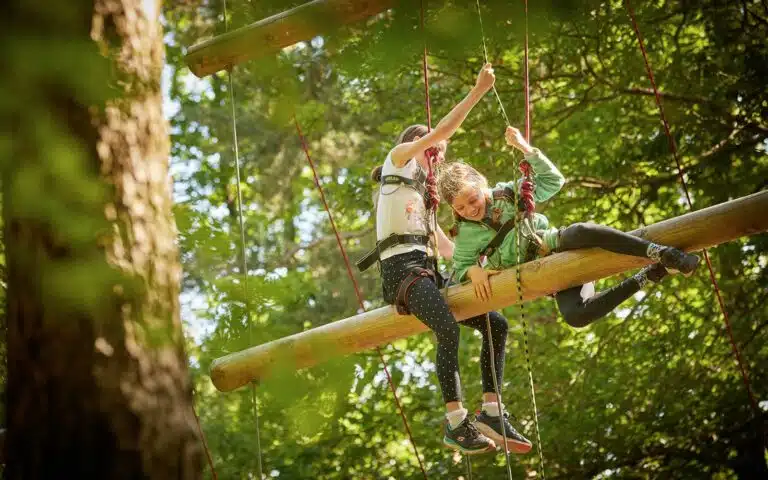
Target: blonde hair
pixel 453 177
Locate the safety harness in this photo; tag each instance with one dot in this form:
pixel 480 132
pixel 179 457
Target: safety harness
pixel 421 183
pixel 503 229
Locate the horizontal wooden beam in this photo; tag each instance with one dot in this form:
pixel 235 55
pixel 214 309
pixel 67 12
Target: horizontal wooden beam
pixel 272 34
pixel 693 231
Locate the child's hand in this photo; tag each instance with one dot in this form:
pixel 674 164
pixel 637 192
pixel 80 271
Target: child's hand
pixel 480 280
pixel 516 139
pixel 485 78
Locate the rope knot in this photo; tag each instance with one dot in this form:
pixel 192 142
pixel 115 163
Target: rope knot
pixel 527 188
pixel 433 198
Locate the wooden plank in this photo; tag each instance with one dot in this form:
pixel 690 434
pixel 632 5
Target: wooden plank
pixel 693 231
pixel 272 34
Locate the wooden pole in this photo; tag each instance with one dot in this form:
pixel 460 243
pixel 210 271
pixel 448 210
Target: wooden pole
pixel 693 231
pixel 270 35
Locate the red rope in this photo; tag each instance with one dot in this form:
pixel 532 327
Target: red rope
pixel 357 292
pixel 527 187
pixel 526 80
pixel 205 446
pixel 430 153
pixel 673 147
pixel 426 77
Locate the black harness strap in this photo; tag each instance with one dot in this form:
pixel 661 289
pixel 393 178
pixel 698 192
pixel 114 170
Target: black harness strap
pixel 401 299
pixel 501 234
pixel 415 184
pixel 373 256
pixel 502 230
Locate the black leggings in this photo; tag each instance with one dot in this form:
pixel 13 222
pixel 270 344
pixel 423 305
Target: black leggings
pixel 580 312
pixel 427 304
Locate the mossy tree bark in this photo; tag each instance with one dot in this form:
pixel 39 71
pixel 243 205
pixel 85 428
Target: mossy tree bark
pixel 98 383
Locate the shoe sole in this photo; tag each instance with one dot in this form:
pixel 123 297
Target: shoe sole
pixel 447 443
pixel 513 445
pixel 688 271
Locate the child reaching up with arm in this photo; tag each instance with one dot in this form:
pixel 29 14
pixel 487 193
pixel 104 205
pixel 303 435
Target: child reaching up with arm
pixel 481 212
pixel 409 282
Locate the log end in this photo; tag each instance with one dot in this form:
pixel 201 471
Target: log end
pixel 221 380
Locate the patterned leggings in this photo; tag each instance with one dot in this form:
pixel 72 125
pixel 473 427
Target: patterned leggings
pixel 428 305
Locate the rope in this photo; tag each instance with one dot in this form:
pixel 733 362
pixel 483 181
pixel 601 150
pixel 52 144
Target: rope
pixel 527 173
pixel 430 153
pixel 485 55
pixel 496 388
pixel 675 154
pixel 527 196
pixel 242 247
pixel 527 186
pixel 205 446
pixel 357 291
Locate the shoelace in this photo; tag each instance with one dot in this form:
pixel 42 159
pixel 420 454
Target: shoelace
pixel 472 430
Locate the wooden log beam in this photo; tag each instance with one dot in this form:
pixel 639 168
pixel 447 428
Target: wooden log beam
pixel 693 231
pixel 272 34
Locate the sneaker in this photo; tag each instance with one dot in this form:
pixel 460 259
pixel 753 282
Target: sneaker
pixel 466 439
pixel 491 427
pixel 651 273
pixel 675 260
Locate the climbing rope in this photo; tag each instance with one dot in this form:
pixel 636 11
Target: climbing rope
pixel 357 291
pixel 675 154
pixel 205 446
pixel 497 390
pixel 527 186
pixel 430 153
pixel 242 248
pixel 526 195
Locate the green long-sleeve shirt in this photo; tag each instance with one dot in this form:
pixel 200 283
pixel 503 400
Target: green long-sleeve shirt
pixel 473 237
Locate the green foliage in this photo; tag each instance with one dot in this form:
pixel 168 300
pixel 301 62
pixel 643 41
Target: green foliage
pixel 651 391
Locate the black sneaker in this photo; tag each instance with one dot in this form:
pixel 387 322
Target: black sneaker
pixel 675 260
pixel 491 427
pixel 651 273
pixel 466 439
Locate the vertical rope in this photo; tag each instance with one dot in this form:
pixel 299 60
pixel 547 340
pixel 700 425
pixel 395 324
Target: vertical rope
pixel 205 446
pixel 424 68
pixel 242 248
pixel 527 196
pixel 675 154
pixel 431 153
pixel 497 389
pixel 526 80
pixel 357 292
pixel 485 55
pixel 517 268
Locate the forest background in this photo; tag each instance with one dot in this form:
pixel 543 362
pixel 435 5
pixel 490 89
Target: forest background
pixel 651 391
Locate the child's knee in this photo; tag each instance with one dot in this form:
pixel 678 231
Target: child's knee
pixel 577 318
pixel 499 324
pixel 577 230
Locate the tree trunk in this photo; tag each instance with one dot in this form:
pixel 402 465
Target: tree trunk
pixel 98 382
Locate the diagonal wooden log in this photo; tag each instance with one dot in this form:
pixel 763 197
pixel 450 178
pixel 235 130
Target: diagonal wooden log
pixel 272 34
pixel 693 231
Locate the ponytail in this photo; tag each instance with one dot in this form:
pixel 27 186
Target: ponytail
pixel 376 174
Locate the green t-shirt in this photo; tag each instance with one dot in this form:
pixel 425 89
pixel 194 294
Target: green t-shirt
pixel 473 237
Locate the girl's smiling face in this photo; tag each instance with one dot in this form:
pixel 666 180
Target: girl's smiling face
pixel 470 203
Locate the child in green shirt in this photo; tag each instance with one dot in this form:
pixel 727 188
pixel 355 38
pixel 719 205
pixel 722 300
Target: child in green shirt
pixel 481 211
